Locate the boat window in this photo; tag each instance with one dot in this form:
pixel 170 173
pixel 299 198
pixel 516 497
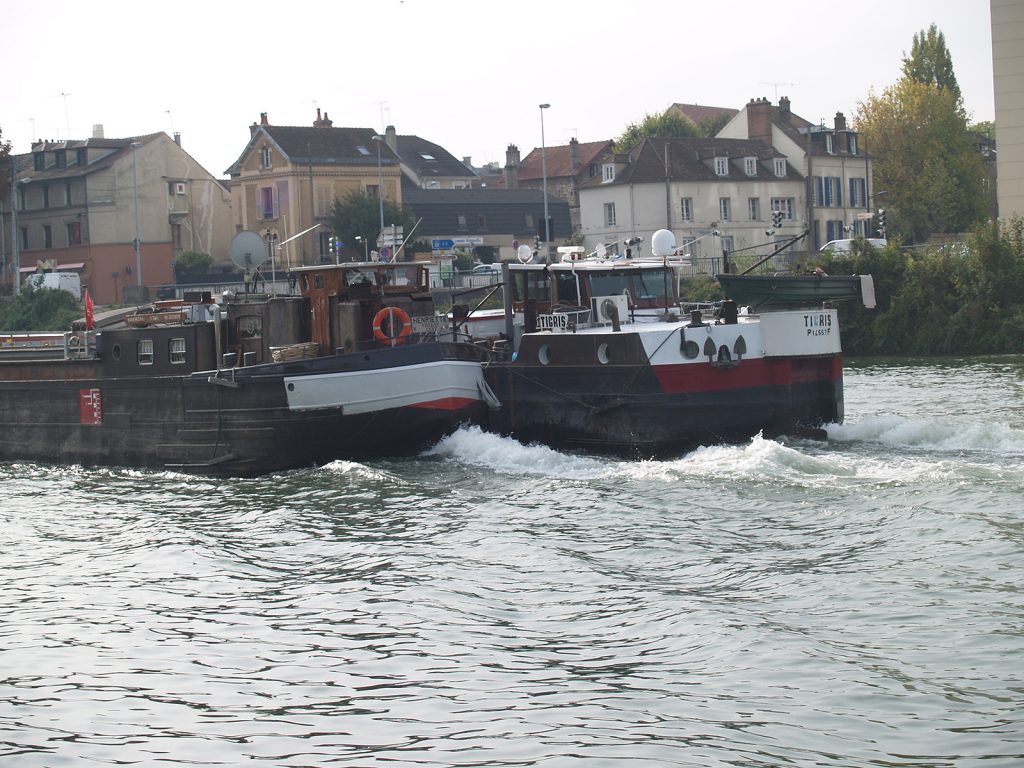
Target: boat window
pixel 651 285
pixel 531 285
pixel 608 283
pixel 249 327
pixel 567 288
pixel 145 351
pixel 176 351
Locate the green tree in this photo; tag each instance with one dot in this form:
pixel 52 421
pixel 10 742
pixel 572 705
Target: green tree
pixel 192 263
pixel 359 215
pixel 669 124
pixel 710 126
pixel 39 309
pixel 929 62
pixel 923 160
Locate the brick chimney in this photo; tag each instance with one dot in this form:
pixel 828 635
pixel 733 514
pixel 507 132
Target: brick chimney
pixel 512 166
pixel 391 138
pixel 263 119
pixel 322 122
pixel 574 152
pixel 759 121
pixel 840 122
pixel 784 113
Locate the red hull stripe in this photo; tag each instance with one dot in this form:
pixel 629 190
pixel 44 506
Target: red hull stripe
pixel 761 372
pixel 446 403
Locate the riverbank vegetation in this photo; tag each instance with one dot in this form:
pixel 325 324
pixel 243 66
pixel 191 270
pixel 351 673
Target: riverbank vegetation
pixel 964 299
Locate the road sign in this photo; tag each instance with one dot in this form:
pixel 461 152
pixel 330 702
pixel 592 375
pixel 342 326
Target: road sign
pixel 865 216
pixel 442 245
pixel 467 241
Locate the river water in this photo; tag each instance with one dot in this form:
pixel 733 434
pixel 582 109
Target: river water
pixel 849 603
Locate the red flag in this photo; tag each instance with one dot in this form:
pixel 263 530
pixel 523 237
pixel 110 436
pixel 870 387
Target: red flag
pixel 88 311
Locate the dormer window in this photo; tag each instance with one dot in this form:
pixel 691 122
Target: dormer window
pixel 721 166
pixel 607 173
pixel 852 138
pixel 828 144
pixel 39 161
pixel 750 166
pixel 780 167
pixel 265 157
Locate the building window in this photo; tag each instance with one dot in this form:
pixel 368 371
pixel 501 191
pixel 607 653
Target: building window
pixel 265 157
pixel 609 214
pixel 528 221
pixel 851 140
pixel 754 208
pixel 750 166
pixel 176 351
pixel 268 202
pixel 176 235
pixel 461 222
pixel 728 243
pixel 24 238
pixel 858 193
pixel 828 144
pixel 721 166
pixel 481 221
pixel 372 191
pixel 593 170
pixel 780 167
pixel 690 247
pixel 687 208
pixel 61 158
pixel 74 232
pixel 47 236
pixel 724 209
pixel 81 157
pixel 39 161
pixel 145 351
pixel 835 230
pixel 46 195
pixel 67 193
pixel 828 191
pixel 608 173
pixel 784 204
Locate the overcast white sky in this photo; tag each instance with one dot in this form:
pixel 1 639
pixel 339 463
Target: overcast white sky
pixel 466 74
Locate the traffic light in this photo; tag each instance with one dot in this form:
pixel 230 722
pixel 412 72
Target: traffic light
pixel 881 219
pixel 776 219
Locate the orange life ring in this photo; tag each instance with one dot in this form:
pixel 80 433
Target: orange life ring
pixel 391 313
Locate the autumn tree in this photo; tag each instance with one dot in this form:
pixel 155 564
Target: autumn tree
pixel 669 124
pixel 929 62
pixel 923 158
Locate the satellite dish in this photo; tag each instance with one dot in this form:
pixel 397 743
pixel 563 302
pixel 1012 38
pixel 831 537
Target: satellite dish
pixel 247 250
pixel 524 254
pixel 663 243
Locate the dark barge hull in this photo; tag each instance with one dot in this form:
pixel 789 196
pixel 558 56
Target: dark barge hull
pixel 640 411
pixel 250 420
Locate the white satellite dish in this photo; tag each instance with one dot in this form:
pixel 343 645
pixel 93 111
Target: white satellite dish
pixel 524 254
pixel 663 243
pixel 248 250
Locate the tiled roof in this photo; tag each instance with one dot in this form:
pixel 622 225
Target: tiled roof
pixel 698 113
pixel 691 159
pixel 559 160
pixel 427 159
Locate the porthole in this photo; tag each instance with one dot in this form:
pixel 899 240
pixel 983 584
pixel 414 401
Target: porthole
pixel 602 354
pixel 691 349
pixel 115 352
pixel 291 387
pixel 544 355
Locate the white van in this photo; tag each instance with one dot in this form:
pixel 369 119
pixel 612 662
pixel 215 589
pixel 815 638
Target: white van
pixel 61 281
pixel 845 246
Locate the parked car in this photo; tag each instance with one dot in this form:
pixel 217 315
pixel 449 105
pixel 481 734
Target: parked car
pixel 486 269
pixel 845 246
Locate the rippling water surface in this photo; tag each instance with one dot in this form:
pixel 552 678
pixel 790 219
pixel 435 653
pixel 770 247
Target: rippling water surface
pixel 850 603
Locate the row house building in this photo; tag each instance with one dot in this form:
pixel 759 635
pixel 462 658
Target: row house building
pixel 714 194
pixel 839 200
pixel 77 203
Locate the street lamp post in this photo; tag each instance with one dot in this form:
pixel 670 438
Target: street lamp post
pixel 380 183
pixel 544 172
pixel 138 243
pixel 15 233
pixel 366 247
